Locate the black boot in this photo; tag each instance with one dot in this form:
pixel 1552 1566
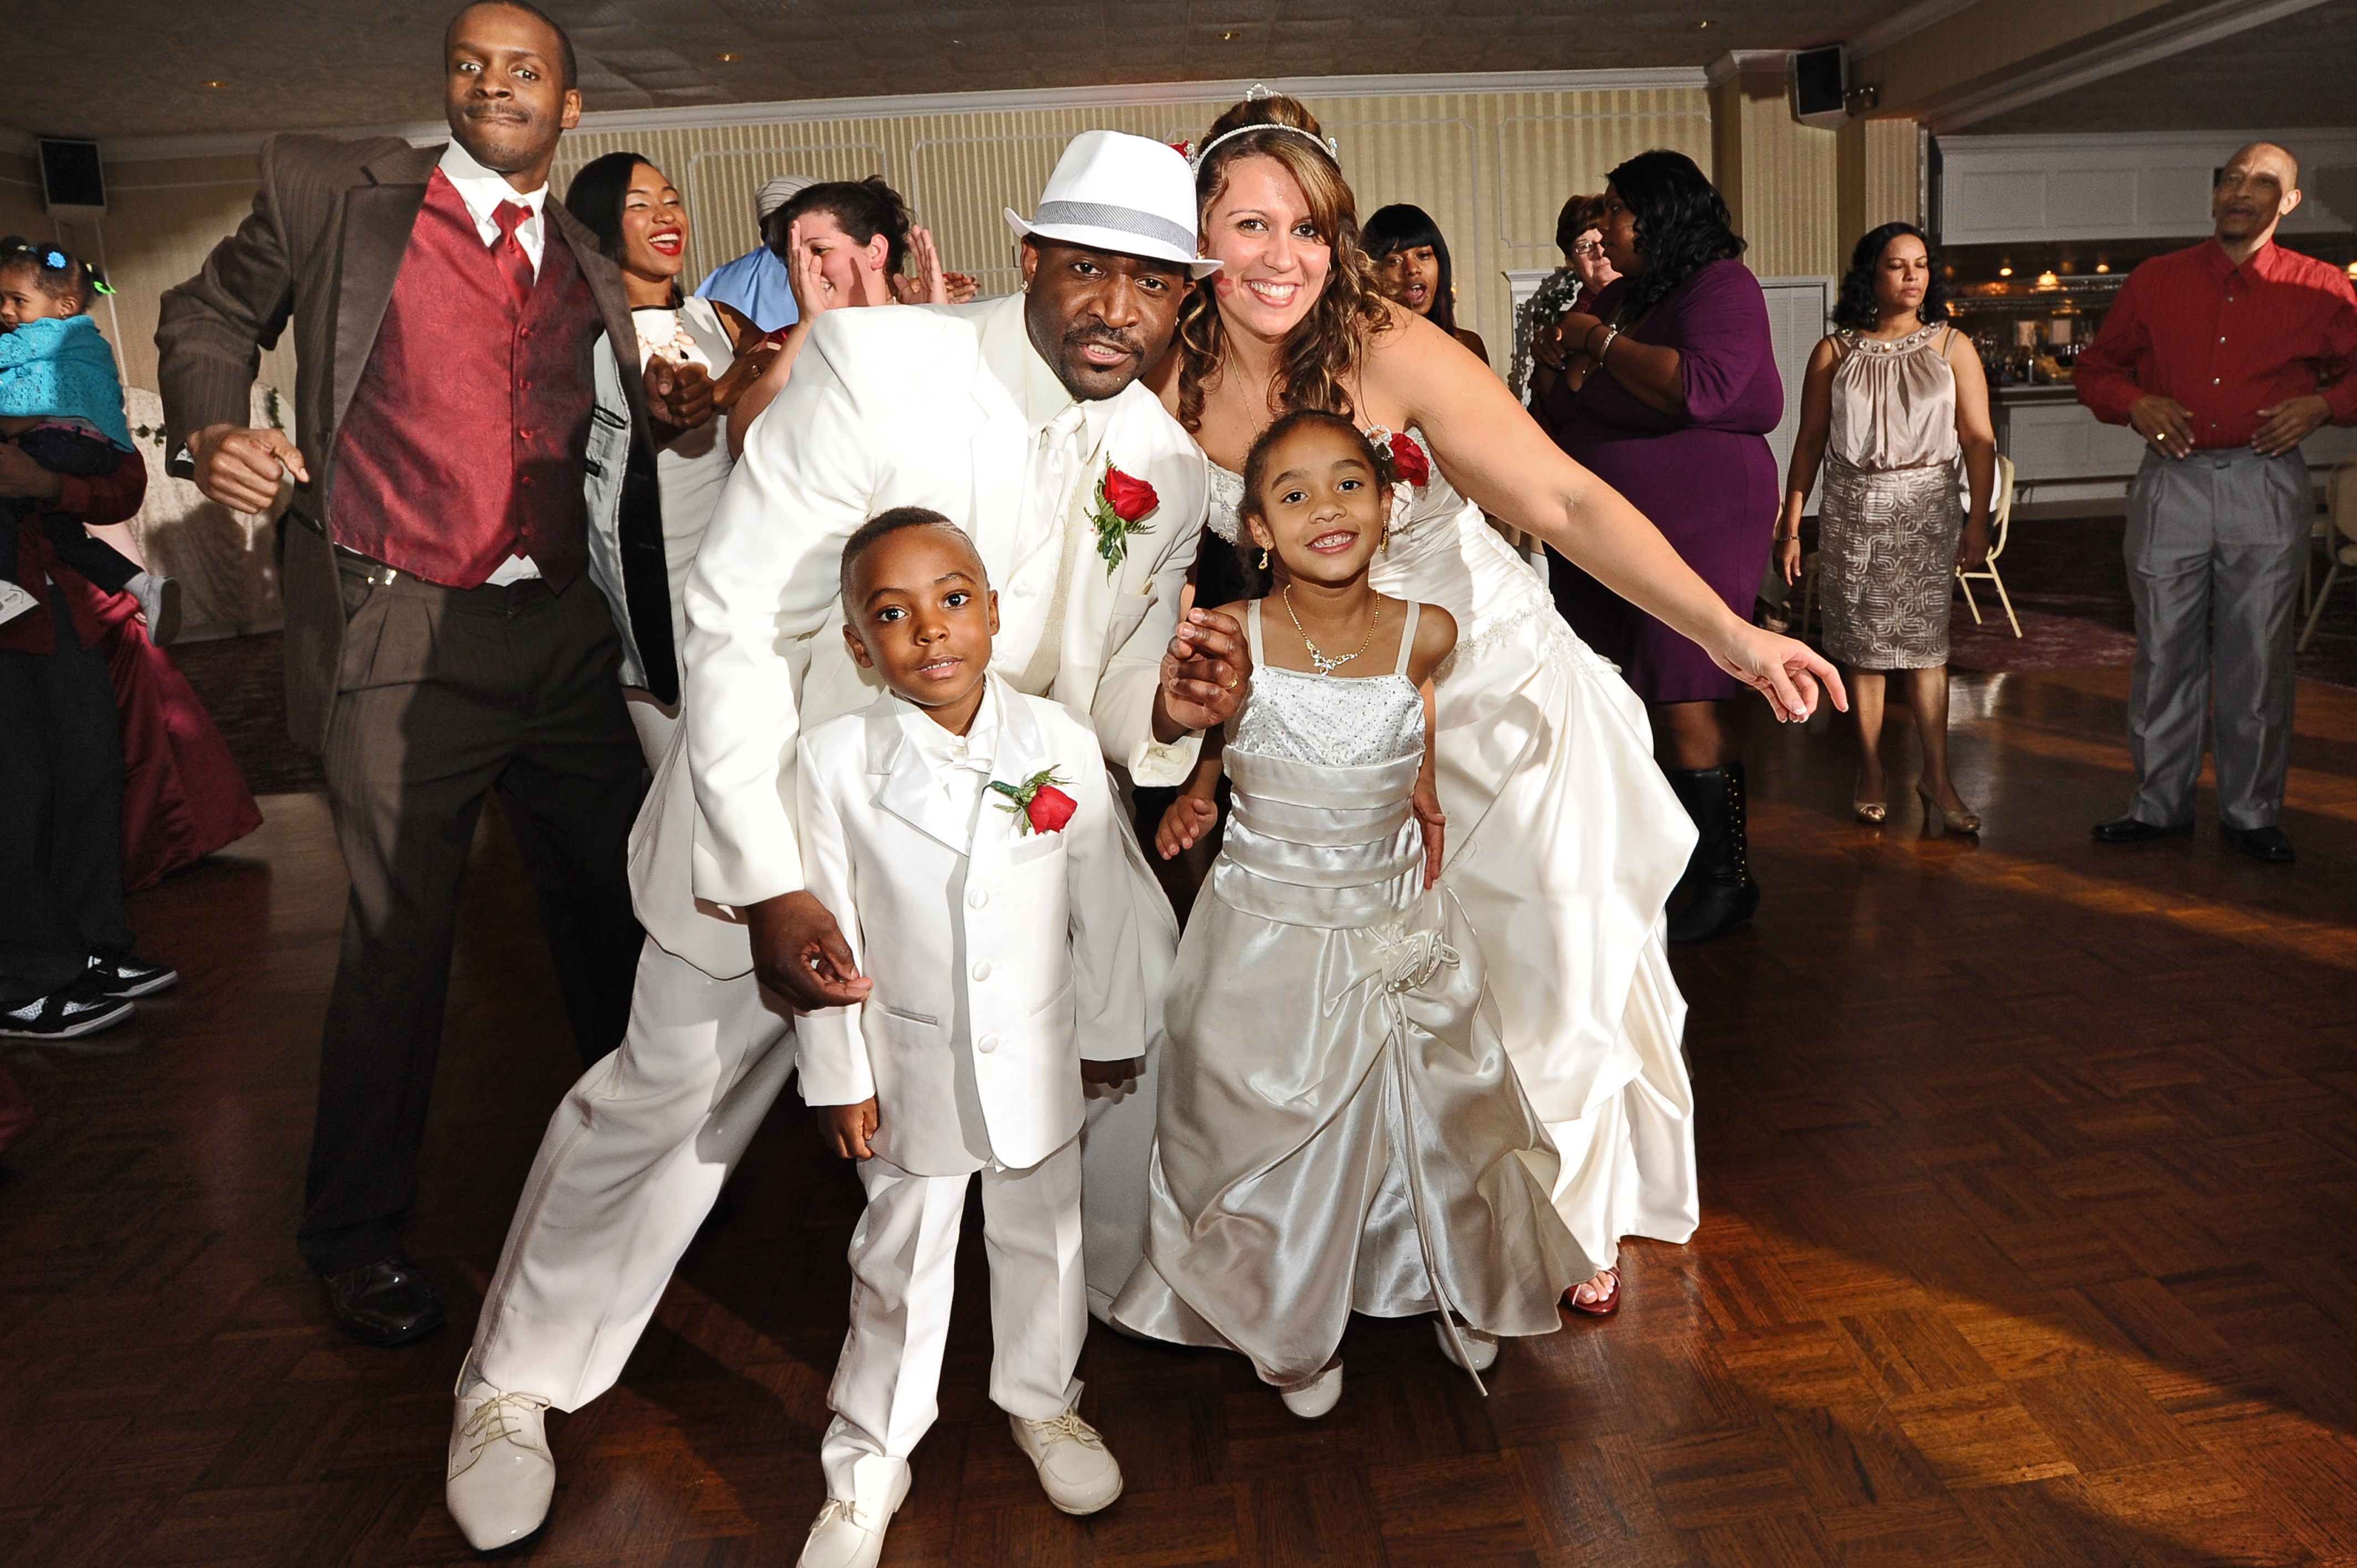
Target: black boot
pixel 1720 872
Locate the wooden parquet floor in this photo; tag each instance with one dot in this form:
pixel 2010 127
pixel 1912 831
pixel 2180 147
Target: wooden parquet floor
pixel 2030 1241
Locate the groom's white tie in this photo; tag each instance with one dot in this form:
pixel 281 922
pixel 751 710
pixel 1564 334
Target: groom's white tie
pixel 1044 541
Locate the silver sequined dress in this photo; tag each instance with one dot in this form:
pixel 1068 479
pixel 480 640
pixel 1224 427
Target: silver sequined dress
pixel 1339 1129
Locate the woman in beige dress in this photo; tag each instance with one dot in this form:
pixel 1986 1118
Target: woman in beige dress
pixel 1893 398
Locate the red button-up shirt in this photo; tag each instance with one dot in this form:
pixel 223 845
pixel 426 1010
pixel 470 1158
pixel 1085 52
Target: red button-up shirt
pixel 2225 341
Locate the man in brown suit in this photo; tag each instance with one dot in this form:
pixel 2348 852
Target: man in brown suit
pixel 444 637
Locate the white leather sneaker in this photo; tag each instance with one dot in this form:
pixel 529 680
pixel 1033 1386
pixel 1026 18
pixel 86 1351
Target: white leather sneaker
pixel 1314 1398
pixel 1481 1350
pixel 1078 1475
pixel 849 1533
pixel 501 1473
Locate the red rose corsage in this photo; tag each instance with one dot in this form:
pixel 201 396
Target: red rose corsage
pixel 1035 804
pixel 1124 502
pixel 1408 460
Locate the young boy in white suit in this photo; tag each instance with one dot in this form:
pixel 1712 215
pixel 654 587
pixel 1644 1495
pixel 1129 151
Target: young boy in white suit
pixel 965 834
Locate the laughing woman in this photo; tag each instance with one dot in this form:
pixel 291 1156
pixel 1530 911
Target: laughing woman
pixel 641 224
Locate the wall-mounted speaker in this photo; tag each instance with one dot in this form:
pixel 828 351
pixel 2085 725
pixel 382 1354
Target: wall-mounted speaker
pixel 73 185
pixel 1820 87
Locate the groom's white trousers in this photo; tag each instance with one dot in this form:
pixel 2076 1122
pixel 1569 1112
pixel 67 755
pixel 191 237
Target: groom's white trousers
pixel 626 1173
pixel 638 1151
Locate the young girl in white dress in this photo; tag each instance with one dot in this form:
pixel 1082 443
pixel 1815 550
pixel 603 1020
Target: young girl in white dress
pixel 1339 1129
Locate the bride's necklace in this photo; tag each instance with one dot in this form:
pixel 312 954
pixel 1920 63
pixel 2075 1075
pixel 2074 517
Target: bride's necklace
pixel 1326 666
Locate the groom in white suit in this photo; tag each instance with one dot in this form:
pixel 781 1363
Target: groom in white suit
pixel 1007 416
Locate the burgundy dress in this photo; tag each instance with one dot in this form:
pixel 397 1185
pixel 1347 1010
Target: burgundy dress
pixel 1706 478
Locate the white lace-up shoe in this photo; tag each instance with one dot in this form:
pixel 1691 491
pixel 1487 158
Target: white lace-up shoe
pixel 501 1473
pixel 849 1533
pixel 1481 1350
pixel 1314 1398
pixel 1077 1473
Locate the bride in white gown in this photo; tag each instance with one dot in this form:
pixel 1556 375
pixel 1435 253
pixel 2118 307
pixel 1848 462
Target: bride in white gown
pixel 1562 839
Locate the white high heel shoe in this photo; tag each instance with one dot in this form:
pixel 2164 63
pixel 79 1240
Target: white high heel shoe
pixel 1314 1398
pixel 1481 1350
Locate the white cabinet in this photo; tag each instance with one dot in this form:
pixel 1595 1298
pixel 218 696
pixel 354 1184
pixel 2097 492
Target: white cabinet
pixel 2062 452
pixel 2144 186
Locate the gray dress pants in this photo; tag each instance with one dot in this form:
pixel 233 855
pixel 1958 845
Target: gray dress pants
pixel 2215 542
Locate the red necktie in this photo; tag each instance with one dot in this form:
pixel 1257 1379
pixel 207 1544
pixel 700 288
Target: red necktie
pixel 510 253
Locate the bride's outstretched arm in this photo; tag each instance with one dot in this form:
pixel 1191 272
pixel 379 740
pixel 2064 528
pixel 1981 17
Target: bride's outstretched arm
pixel 1493 453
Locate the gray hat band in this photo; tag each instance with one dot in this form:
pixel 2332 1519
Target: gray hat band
pixel 1127 220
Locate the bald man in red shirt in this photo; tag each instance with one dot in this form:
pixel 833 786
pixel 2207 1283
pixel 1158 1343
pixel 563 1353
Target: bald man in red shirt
pixel 2224 357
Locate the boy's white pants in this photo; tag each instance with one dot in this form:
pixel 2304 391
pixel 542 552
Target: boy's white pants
pixel 903 1260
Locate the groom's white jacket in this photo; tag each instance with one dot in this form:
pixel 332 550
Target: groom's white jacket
pixel 909 405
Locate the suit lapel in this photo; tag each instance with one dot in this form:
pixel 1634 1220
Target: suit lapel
pixel 378 220
pixel 905 784
pixel 1001 452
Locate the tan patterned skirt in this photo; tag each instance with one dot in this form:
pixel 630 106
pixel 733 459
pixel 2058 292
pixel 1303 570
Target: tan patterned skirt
pixel 1885 564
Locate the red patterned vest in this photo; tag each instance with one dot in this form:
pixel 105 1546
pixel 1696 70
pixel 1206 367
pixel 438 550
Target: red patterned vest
pixel 463 444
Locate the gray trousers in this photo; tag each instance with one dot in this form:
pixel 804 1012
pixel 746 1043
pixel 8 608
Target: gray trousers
pixel 2215 543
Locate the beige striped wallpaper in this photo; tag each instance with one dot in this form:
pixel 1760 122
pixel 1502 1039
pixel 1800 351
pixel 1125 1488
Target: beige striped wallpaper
pixel 1491 168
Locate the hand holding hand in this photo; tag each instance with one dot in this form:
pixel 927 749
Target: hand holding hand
pixel 2165 422
pixel 1189 818
pixel 847 1129
pixel 240 467
pixel 2287 424
pixel 1786 673
pixel 1111 1072
pixel 1204 675
pixel 799 952
pixel 21 478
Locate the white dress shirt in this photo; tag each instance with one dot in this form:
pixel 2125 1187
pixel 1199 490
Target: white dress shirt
pixel 960 764
pixel 483 191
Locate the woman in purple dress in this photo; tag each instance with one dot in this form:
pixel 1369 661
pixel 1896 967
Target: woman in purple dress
pixel 1668 397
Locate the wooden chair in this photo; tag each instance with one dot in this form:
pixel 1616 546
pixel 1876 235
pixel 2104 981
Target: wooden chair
pixel 2001 525
pixel 2341 510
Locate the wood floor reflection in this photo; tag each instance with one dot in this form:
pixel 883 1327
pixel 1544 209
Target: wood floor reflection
pixel 2030 1239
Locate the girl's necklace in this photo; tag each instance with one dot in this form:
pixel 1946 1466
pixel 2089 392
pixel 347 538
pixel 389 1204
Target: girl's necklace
pixel 1326 666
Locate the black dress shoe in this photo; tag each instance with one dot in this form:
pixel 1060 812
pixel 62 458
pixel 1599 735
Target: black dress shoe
pixel 119 974
pixel 389 1302
pixel 2133 830
pixel 2270 845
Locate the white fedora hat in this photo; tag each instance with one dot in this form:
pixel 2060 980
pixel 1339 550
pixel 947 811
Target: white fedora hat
pixel 1115 192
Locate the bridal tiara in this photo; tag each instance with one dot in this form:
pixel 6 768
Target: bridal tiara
pixel 1324 143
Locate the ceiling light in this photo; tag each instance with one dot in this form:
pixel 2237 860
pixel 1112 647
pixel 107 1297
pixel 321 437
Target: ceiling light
pixel 2103 266
pixel 214 81
pixel 728 57
pixel 1227 38
pixel 2004 272
pixel 1699 25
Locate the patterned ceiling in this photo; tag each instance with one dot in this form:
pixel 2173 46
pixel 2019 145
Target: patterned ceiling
pixel 140 68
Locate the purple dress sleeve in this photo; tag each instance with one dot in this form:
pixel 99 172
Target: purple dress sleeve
pixel 1721 335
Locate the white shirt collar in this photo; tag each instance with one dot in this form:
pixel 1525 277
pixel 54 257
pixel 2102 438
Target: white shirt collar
pixel 483 189
pixel 945 754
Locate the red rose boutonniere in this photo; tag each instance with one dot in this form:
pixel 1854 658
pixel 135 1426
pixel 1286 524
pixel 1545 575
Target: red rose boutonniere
pixel 1123 504
pixel 1035 804
pixel 1408 460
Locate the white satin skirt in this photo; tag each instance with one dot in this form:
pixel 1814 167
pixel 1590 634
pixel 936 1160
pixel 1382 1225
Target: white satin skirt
pixel 1563 842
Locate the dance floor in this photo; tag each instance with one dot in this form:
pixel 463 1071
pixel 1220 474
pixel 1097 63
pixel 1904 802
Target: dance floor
pixel 2029 1240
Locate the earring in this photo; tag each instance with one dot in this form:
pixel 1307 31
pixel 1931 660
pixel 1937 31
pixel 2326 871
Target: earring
pixel 1384 544
pixel 1263 558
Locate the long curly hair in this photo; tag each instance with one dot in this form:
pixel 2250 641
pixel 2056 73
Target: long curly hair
pixel 1324 350
pixel 1682 225
pixel 1855 308
pixel 1403 226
